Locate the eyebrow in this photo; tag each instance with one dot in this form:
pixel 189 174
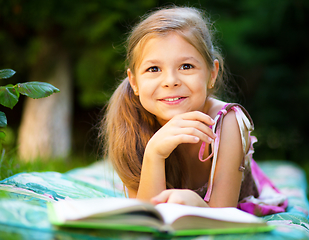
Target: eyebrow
pixel 184 59
pixel 151 62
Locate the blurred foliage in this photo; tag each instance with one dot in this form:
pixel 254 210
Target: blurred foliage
pixel 265 45
pixel 91 31
pixel 12 165
pixel 9 96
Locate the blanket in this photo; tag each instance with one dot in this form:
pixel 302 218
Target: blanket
pixel 23 200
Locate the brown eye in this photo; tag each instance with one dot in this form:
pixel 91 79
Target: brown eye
pixel 153 69
pixel 186 66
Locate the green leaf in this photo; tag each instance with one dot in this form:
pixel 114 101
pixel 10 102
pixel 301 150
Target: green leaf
pixel 6 73
pixel 36 89
pixel 2 136
pixel 3 120
pixel 8 96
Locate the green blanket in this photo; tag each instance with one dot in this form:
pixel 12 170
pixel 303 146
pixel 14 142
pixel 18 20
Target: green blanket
pixel 23 203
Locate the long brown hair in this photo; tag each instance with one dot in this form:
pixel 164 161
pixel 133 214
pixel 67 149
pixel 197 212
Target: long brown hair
pixel 127 126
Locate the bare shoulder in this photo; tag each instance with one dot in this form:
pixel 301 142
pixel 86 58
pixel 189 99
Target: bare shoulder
pixel 230 121
pixel 233 132
pixel 215 106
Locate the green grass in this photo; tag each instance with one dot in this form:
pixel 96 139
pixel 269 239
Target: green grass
pixel 10 164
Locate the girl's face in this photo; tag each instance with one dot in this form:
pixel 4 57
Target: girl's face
pixel 172 77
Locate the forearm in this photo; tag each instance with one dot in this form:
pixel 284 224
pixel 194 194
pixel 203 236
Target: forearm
pixel 152 181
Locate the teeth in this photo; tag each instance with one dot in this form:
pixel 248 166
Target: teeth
pixel 171 99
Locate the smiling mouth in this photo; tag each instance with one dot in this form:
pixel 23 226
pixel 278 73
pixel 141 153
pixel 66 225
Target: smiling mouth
pixel 173 100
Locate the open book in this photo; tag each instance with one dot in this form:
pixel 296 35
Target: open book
pixel 135 215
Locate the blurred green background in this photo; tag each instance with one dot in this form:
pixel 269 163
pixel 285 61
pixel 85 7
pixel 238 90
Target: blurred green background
pixel 264 43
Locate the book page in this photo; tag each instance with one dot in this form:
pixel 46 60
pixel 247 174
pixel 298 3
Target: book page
pixel 171 212
pixel 98 207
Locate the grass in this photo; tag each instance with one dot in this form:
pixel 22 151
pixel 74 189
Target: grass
pixel 10 164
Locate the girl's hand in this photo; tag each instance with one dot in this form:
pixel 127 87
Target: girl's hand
pixel 190 127
pixel 179 196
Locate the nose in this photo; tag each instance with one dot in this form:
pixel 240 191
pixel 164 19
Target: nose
pixel 170 79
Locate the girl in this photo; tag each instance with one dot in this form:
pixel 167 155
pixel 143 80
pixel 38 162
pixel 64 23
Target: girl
pixel 168 137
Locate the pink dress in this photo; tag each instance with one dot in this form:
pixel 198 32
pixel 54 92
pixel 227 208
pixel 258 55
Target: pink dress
pixel 258 195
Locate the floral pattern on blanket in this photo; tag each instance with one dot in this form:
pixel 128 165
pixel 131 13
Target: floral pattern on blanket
pixel 24 196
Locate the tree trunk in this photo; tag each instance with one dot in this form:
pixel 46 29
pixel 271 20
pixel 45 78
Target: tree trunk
pixel 45 130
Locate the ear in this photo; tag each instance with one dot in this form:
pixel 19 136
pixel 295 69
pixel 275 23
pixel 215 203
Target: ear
pixel 132 81
pixel 213 74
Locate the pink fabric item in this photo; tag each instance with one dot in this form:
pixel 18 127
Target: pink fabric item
pixel 259 208
pixel 270 200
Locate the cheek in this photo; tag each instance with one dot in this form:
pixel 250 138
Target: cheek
pixel 201 92
pixel 200 87
pixel 147 104
pixel 146 93
pixel 147 88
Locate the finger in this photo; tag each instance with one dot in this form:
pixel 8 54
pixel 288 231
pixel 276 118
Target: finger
pixel 201 127
pixel 161 197
pixel 177 198
pixel 199 116
pixel 191 135
pixel 187 138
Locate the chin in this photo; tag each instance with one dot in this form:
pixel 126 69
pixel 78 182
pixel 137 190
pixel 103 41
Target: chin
pixel 164 119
